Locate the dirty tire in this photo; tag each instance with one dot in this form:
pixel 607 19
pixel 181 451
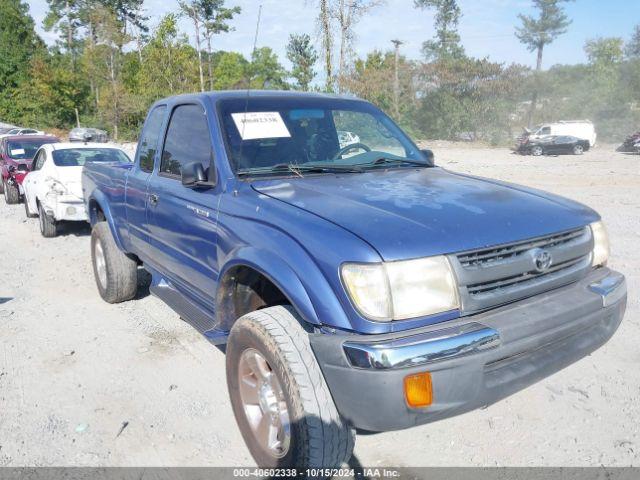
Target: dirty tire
pixel 11 194
pixel 319 436
pixel 27 210
pixel 48 227
pixel 536 151
pixel 2 186
pixel 578 149
pixel 118 271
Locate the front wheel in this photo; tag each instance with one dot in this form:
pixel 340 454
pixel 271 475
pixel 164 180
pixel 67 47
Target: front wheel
pixel 279 396
pixel 578 149
pixel 116 274
pixel 536 151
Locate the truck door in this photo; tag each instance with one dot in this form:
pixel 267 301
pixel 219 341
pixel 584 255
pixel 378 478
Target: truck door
pixel 182 220
pixel 138 179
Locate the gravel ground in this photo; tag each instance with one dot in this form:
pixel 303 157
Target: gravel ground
pixel 84 383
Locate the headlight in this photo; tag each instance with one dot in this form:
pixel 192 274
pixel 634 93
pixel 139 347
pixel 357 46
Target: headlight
pixel 401 290
pixel 600 244
pixel 368 288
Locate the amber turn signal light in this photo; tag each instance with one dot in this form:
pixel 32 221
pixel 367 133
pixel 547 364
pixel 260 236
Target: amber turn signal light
pixel 418 390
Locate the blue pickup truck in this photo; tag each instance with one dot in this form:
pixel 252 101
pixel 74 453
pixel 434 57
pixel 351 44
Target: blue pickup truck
pixel 355 285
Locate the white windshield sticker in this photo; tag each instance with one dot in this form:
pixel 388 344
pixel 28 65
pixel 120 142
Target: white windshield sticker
pixel 17 151
pixel 255 125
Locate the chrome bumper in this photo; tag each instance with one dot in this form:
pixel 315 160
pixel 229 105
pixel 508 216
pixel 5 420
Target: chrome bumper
pixel 452 342
pixel 610 288
pixel 423 348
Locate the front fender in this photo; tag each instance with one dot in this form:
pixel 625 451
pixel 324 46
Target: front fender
pixel 273 267
pixel 98 202
pixel 278 257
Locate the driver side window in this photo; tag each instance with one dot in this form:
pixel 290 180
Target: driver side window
pixel 187 140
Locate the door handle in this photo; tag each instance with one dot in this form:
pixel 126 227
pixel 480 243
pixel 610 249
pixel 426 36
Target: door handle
pixel 153 199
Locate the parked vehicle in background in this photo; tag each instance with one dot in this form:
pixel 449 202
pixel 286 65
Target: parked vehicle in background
pixel 347 138
pixel 356 287
pixel 554 145
pixel 582 129
pixel 94 135
pixel 16 155
pixel 53 188
pixel 23 131
pixel 631 144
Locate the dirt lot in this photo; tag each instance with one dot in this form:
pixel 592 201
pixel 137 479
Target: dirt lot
pixel 86 383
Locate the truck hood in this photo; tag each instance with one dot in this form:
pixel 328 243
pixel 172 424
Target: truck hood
pixel 410 213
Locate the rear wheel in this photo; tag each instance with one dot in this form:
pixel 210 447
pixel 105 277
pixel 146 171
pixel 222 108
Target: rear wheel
pixel 48 226
pixel 116 274
pixel 536 151
pixel 280 399
pixel 578 149
pixel 11 194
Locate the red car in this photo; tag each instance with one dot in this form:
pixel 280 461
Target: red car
pixel 16 155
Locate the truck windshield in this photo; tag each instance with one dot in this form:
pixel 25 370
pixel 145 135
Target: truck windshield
pixel 275 135
pixel 77 157
pixel 25 149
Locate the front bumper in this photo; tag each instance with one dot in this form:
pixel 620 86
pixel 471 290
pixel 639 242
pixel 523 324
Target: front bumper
pixel 474 361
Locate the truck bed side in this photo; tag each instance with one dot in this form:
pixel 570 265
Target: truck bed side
pixel 104 188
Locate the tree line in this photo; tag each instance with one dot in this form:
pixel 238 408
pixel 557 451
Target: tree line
pixel 110 62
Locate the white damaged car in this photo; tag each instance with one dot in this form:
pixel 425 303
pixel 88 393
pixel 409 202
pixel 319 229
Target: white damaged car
pixel 53 188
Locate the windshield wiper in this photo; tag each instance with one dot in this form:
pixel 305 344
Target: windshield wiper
pixel 394 161
pixel 298 169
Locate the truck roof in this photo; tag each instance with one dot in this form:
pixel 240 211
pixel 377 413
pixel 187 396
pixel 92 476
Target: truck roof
pixel 241 94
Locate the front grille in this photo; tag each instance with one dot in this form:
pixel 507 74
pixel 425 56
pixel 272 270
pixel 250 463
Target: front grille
pixel 494 276
pixel 483 258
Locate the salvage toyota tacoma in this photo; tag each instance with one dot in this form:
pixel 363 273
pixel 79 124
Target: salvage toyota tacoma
pixel 356 286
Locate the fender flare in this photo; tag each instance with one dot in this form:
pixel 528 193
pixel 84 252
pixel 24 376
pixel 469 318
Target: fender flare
pixel 277 270
pixel 99 198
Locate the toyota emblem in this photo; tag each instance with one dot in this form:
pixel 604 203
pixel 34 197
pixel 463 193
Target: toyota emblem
pixel 542 260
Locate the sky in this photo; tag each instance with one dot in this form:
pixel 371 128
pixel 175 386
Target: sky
pixel 486 27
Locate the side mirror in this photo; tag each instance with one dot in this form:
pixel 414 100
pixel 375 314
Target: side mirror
pixel 428 154
pixel 194 176
pixel 23 167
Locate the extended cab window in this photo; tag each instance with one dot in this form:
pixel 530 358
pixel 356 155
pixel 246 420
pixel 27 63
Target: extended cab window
pixel 187 140
pixel 150 137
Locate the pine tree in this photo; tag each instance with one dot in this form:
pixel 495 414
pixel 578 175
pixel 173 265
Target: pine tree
pixel 536 33
pixel 303 56
pixel 446 45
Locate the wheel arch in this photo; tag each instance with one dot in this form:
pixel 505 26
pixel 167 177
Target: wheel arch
pixel 248 266
pixel 98 210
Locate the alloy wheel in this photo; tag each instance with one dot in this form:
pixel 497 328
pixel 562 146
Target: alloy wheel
pixel 101 264
pixel 264 403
